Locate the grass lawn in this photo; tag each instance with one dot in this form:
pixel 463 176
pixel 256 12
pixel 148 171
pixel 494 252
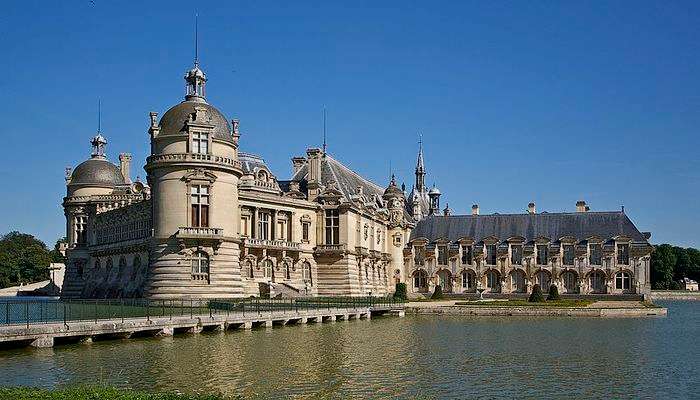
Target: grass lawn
pixel 525 303
pixel 94 393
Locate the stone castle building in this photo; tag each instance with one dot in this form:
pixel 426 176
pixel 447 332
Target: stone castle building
pixel 214 222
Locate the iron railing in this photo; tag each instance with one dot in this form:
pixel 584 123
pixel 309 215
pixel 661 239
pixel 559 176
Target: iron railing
pixel 48 311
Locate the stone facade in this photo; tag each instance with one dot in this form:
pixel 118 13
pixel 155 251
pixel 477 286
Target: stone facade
pixel 214 222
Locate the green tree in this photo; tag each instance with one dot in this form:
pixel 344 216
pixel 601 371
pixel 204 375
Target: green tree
pixel 694 269
pixel 682 266
pixel 23 259
pixel 400 292
pixel 663 261
pixel 55 254
pixel 536 295
pixel 553 293
pixel 437 294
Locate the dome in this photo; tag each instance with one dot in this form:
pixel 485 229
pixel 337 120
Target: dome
pixel 434 191
pixel 173 121
pixel 96 171
pixel 393 190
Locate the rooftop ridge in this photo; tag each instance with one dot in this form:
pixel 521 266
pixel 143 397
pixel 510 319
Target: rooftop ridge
pixel 341 165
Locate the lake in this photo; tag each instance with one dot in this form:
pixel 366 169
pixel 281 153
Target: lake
pixel 415 356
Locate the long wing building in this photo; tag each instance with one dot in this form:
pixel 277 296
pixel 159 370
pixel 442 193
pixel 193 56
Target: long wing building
pixel 214 222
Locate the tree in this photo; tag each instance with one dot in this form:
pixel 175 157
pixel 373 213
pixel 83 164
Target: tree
pixel 663 261
pixel 536 295
pixel 400 291
pixel 23 259
pixel 56 256
pixel 553 293
pixel 437 294
pixel 682 266
pixel 694 269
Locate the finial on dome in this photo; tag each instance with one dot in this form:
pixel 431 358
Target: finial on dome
pixel 195 78
pixel 98 146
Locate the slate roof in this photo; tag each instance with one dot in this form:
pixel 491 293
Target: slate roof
pixel 347 180
pixel 580 225
pixel 249 162
pixel 96 171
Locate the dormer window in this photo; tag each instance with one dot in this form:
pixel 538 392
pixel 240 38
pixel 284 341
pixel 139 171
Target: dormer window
pixel 516 254
pixel 568 254
pixel 467 255
pixel 595 256
pixel 200 143
pixel 442 255
pixel 623 254
pixel 491 254
pixel 542 254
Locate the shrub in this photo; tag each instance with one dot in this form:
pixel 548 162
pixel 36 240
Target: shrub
pixel 437 294
pixel 400 291
pixel 553 293
pixel 536 295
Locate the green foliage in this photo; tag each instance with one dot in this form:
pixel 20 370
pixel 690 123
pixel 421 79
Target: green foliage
pixel 23 259
pixel 400 291
pixel 96 393
pixel 670 264
pixel 553 293
pixel 536 295
pixel 437 294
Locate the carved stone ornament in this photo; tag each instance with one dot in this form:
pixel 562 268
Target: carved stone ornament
pixel 199 174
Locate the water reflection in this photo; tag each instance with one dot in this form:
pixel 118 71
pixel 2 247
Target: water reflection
pixel 429 357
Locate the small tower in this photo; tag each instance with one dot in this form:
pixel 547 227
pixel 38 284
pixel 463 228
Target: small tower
pixel 434 195
pixel 420 169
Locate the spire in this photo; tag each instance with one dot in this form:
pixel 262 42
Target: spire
pixel 324 130
pixel 195 78
pixel 98 142
pixel 420 167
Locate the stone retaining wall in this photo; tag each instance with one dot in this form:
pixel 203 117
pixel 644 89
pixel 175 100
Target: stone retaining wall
pixel 674 295
pixel 538 311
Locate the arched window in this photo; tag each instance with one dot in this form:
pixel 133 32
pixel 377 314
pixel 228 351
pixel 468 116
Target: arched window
pixel 623 281
pixel 306 272
pixel 543 280
pixel 109 265
pixel 596 281
pixel 570 282
pixel 445 280
pixel 122 264
pixel 200 266
pixel 468 281
pixel 248 269
pixel 517 281
pixel 420 280
pixel 268 270
pixel 493 281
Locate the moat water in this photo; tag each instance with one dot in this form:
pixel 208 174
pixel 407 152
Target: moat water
pixel 389 357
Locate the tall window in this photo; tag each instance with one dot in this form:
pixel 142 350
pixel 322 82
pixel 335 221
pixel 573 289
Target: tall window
pixel 305 231
pixel 306 273
pixel 442 255
pixel 542 254
pixel 281 229
pixel 419 279
pixel 491 254
pixel 516 254
pixel 287 270
pixel 467 255
pixel 200 266
pixel 200 205
pixel 467 280
pixel 122 264
pixel 597 282
pixel 80 229
pixel 419 258
pixel 245 225
pixel 200 143
pixel 596 254
pixel 570 283
pixel 492 281
pixel 332 227
pixel 543 280
pixel 622 281
pixel 263 226
pixel 568 258
pixel 623 254
pixel 268 270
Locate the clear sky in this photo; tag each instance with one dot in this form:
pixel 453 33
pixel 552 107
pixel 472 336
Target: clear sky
pixel 521 101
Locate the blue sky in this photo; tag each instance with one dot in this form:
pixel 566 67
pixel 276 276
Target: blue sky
pixel 549 102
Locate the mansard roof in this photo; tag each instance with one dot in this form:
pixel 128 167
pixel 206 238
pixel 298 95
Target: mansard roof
pixel 346 180
pixel 580 225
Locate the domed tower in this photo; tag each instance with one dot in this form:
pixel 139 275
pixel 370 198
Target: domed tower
pixel 398 230
pixel 434 195
pixel 193 171
pixel 85 184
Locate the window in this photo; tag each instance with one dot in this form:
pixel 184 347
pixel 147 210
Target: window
pixel 281 230
pixel 492 281
pixel 200 143
pixel 200 205
pixel 622 281
pixel 263 226
pixel 542 254
pixel 245 225
pixel 287 270
pixel 467 255
pixel 397 240
pixel 442 255
pixel 445 280
pixel 122 264
pixel 419 280
pixel 543 280
pixel 419 258
pixel 108 265
pixel 467 280
pixel 570 284
pixel 305 231
pixel 568 258
pixel 623 254
pixel 306 273
pixel 332 227
pixel 200 266
pixel 491 254
pixel 517 281
pixel 268 270
pixel 516 254
pixel 597 282
pixel 248 269
pixel 81 229
pixel 596 254
pixel 379 236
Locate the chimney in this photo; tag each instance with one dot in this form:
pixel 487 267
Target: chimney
pixel 125 166
pixel 297 164
pixel 531 208
pixel 581 206
pixel 314 176
pixel 475 209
